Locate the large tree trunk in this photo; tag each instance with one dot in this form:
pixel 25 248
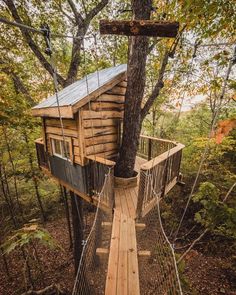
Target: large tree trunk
pixel 136 75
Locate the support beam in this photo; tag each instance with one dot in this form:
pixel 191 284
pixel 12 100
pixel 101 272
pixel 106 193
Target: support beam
pixel 139 28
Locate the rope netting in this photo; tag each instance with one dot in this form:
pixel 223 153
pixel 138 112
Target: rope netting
pixel 158 273
pixel 91 273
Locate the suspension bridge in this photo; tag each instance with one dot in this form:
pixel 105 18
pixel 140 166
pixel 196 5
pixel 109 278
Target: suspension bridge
pixel 113 261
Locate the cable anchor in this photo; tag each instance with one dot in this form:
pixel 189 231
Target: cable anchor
pixel 47 36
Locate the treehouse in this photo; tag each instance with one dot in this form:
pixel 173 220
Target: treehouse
pixel 79 147
pixel 91 111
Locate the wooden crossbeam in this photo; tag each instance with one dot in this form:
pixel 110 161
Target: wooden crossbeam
pixel 139 28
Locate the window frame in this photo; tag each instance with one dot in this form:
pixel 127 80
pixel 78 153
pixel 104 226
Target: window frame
pixel 59 138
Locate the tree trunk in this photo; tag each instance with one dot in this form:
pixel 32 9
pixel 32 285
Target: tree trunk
pixel 13 169
pixel 136 76
pixel 77 222
pixel 34 177
pixel 8 200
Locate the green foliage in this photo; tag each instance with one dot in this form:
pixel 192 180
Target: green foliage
pixel 214 214
pixel 28 234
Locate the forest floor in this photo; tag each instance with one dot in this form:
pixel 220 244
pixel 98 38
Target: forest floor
pixel 203 274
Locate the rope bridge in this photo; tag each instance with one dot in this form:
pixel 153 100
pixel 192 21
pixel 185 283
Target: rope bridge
pixel 118 257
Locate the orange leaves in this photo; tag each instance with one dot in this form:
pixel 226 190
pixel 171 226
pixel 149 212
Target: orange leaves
pixel 224 128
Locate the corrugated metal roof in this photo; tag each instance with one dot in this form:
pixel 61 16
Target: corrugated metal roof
pixel 75 92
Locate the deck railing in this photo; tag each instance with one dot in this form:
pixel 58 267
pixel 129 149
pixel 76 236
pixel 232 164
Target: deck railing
pixel 151 147
pixel 160 173
pixel 43 160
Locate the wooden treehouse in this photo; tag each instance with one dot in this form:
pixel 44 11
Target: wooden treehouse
pixel 92 112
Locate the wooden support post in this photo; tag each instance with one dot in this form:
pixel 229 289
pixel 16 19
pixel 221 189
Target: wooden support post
pixel 149 149
pixel 141 193
pixel 139 28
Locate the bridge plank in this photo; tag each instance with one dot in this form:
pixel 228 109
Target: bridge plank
pixel 133 272
pixel 122 279
pixel 111 281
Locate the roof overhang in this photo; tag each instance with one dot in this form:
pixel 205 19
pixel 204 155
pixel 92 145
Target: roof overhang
pixel 69 111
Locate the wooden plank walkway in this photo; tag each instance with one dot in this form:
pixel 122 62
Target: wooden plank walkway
pixel 123 273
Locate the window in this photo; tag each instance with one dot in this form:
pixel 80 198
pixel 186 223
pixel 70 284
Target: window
pixel 60 148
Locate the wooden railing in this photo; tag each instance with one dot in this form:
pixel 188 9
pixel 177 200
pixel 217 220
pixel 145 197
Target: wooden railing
pixel 159 174
pixel 43 160
pixel 151 147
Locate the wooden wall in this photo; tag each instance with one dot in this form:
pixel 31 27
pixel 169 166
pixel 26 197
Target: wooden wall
pixel 52 127
pixel 100 123
pixel 95 129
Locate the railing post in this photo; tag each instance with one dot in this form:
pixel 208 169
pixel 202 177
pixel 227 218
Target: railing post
pixel 141 192
pixel 149 149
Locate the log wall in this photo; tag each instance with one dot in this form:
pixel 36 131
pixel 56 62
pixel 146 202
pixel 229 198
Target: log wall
pixel 96 128
pixel 52 127
pixel 100 123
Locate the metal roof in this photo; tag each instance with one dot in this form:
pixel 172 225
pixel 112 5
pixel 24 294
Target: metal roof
pixel 75 92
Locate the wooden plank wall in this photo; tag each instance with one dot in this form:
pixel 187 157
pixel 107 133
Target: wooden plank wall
pixel 100 120
pixel 53 127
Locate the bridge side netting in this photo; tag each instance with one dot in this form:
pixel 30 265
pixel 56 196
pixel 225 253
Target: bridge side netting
pixel 158 272
pixel 91 274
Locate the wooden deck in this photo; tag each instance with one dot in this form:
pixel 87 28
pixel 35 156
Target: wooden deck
pixel 126 201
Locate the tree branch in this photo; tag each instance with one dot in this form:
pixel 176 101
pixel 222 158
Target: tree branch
pixel 152 46
pixel 229 192
pixel 160 83
pixel 78 17
pixel 157 88
pixel 59 4
pixel 33 46
pixel 93 12
pixel 83 25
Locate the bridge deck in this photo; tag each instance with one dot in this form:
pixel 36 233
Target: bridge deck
pixel 123 273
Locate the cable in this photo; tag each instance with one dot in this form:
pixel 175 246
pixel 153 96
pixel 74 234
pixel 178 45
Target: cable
pixel 39 31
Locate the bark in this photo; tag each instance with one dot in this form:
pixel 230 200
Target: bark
pixel 136 75
pixel 139 28
pixel 77 221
